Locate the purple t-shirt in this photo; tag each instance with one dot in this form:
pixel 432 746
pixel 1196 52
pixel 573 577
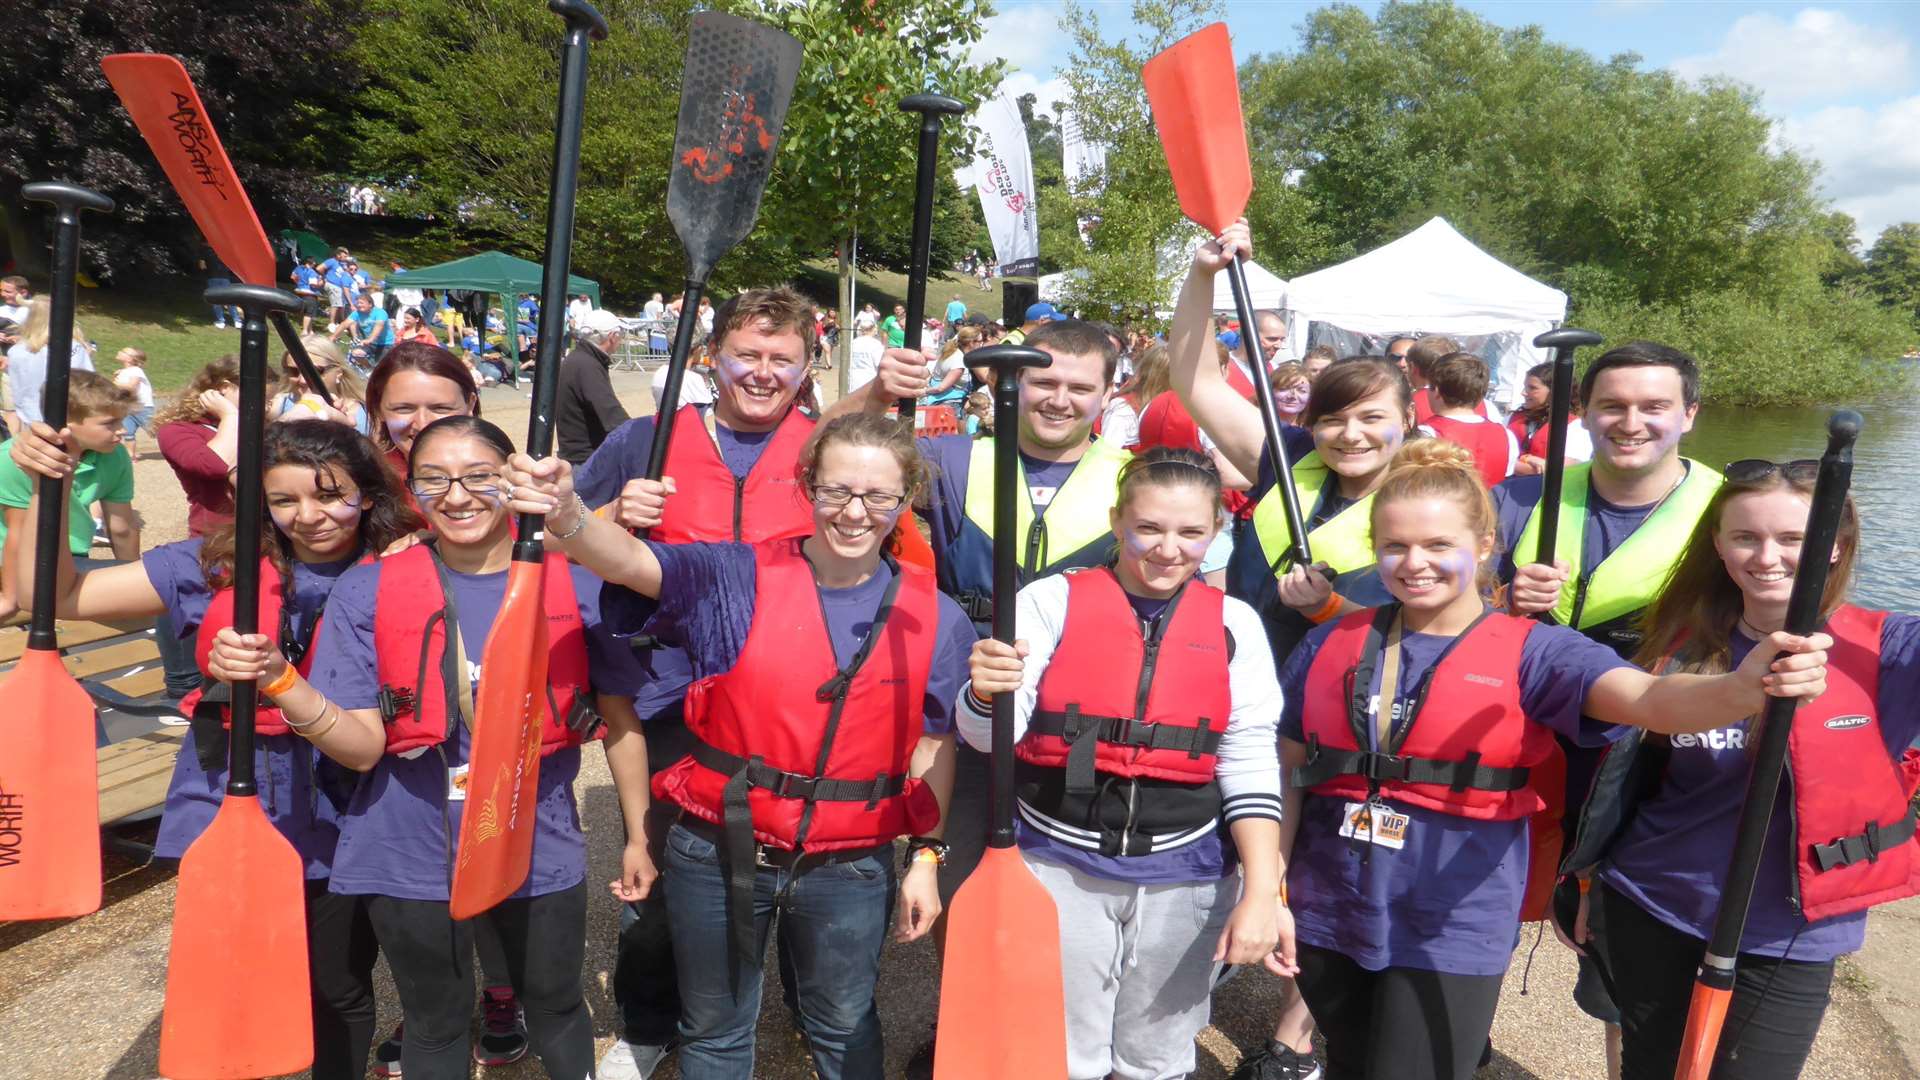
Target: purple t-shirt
pixel 1449 900
pixel 1672 859
pixel 656 678
pixel 301 789
pixel 397 834
pixel 707 602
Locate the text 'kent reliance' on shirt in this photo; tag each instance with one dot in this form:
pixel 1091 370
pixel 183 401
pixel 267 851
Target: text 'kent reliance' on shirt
pixel 706 604
pixel 1449 900
pixel 397 836
pixel 1247 767
pixel 1672 858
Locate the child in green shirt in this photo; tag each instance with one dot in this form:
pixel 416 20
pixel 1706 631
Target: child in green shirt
pixel 95 411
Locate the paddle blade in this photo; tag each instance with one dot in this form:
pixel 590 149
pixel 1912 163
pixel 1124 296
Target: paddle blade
pixel 1002 979
pixel 1195 95
pixel 166 108
pixel 49 793
pixel 1706 1015
pixel 734 95
pixel 503 774
pixel 239 947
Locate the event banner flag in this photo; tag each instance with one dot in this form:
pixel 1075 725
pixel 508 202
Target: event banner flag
pixel 1003 175
pixel 1086 167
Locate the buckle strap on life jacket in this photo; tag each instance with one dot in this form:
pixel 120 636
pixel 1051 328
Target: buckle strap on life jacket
pixel 977 605
pixel 790 785
pixel 1865 846
pixel 1083 735
pixel 1323 765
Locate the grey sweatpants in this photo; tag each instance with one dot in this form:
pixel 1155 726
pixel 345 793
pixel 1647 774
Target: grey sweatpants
pixel 1138 966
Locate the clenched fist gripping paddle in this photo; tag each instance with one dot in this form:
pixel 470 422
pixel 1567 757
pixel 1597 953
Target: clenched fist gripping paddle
pixel 239 917
pixel 496 829
pixel 1713 991
pixel 49 786
pixel 1195 95
pixel 1001 990
pixel 161 99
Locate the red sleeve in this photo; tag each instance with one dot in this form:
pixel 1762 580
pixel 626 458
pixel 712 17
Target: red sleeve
pixel 202 474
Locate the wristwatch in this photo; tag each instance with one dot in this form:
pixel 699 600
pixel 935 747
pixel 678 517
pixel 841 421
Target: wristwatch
pixel 917 844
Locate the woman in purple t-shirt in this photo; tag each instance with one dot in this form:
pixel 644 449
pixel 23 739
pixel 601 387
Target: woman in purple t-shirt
pixel 1405 829
pixel 329 501
pixel 1849 768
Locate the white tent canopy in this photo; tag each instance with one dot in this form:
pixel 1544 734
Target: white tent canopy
pixel 1432 281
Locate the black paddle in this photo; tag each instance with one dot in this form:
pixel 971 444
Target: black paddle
pixel 1563 342
pixel 1713 991
pixel 932 108
pixel 734 92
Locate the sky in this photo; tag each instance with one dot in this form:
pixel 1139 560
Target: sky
pixel 1840 78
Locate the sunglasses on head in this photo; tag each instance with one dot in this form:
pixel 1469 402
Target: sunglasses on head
pixel 1754 470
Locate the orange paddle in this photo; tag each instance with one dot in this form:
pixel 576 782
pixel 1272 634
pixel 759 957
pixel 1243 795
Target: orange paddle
pixel 1002 998
pixel 49 788
pixel 239 918
pixel 161 99
pixel 496 829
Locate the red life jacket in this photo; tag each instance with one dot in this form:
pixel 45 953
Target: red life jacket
pixel 1423 406
pixel 817 769
pixel 267 720
pixel 1486 442
pixel 1468 750
pixel 1852 812
pixel 1536 443
pixel 418 683
pixel 1105 703
pixel 711 504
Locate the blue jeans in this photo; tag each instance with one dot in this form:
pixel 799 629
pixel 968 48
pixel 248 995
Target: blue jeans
pixel 834 923
pixel 220 313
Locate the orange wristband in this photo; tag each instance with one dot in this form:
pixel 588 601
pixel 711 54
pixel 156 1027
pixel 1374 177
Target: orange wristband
pixel 282 684
pixel 1328 610
pixel 1585 885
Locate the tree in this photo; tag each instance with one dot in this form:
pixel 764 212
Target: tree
pixel 274 78
pixel 1893 269
pixel 846 165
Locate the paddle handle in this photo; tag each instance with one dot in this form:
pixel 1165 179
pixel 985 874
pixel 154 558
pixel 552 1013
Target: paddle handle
pixel 932 108
pixel 283 327
pixel 1006 362
pixel 583 23
pixel 1301 555
pixel 1717 967
pixel 1563 342
pixel 68 202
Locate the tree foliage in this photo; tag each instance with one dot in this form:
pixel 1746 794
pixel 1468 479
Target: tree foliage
pixel 1892 269
pixel 273 79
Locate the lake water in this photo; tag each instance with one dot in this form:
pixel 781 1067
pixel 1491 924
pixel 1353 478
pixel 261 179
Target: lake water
pixel 1886 482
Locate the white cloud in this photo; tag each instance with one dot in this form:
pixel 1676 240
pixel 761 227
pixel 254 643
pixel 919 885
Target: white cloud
pixel 1821 54
pixel 1025 37
pixel 1869 158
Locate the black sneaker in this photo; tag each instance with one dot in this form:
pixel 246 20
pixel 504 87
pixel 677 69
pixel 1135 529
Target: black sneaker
pixel 920 1065
pixel 386 1057
pixel 503 1028
pixel 1277 1061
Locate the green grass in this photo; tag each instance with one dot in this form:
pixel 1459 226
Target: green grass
pixel 884 288
pixel 166 318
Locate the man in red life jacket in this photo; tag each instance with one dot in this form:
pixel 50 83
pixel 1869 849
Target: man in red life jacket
pixel 1459 382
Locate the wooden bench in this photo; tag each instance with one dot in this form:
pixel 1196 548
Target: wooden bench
pixel 134 773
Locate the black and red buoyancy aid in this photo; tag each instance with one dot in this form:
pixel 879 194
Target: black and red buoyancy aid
pixel 419 684
pixel 1487 442
pixel 267 720
pixel 1468 749
pixel 1533 443
pixel 711 504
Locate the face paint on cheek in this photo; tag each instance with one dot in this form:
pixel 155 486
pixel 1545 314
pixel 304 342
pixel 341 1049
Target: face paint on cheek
pixel 343 512
pixel 1390 564
pixel 399 430
pixel 1665 434
pixel 1136 545
pixel 1392 438
pixel 1460 566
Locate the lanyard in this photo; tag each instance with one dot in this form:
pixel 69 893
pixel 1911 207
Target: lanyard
pixel 1389 686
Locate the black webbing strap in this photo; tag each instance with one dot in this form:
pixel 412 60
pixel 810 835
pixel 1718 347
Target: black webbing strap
pixel 1865 846
pixel 1084 734
pixel 977 605
pixel 1323 765
pixel 791 785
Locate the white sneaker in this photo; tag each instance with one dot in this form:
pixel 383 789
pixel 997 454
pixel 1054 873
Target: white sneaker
pixel 630 1061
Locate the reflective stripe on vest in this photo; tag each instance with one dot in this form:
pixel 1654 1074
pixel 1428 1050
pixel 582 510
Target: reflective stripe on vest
pixel 410 644
pixel 711 504
pixel 1075 518
pixel 1469 748
pixel 1631 577
pixel 1342 542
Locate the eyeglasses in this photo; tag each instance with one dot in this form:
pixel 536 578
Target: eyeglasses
pixel 833 496
pixel 432 487
pixel 1754 470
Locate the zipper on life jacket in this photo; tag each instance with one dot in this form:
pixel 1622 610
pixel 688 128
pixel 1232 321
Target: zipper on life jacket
pixel 739 496
pixel 1579 599
pixel 1036 544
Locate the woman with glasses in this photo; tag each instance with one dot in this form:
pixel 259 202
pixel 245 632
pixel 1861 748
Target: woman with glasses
pixel 1842 836
pixel 822 720
pixel 390 699
pixel 329 504
pixel 298 399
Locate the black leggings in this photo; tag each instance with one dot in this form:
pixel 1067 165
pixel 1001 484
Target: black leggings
pixel 432 960
pixel 1399 1023
pixel 1776 1010
pixel 340 954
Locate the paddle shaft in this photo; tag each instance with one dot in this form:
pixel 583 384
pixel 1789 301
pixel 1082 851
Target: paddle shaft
pixel 247 515
pixel 559 262
pixel 1561 402
pixel 931 108
pixel 1302 555
pixel 1718 966
pixel 283 326
pixel 668 405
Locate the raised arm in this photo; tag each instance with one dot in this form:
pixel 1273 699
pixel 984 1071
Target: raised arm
pixel 1682 704
pixel 616 555
pixel 1231 421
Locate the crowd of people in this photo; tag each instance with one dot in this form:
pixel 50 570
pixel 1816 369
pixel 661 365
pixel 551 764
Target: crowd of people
pixel 1361 774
